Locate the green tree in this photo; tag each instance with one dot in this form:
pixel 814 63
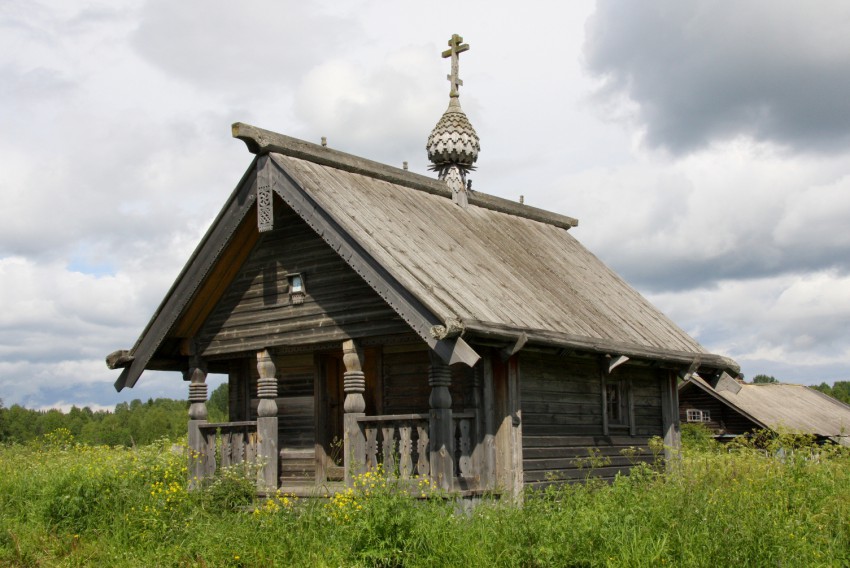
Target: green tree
pixel 841 391
pixel 4 432
pixel 20 424
pixel 218 404
pixel 764 379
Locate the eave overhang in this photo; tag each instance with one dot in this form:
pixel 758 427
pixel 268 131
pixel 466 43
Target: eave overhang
pixel 600 346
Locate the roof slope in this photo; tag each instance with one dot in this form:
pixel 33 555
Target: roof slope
pixel 503 269
pixel 490 269
pixel 784 406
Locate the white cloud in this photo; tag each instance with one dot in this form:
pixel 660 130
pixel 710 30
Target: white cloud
pixel 793 322
pixel 738 210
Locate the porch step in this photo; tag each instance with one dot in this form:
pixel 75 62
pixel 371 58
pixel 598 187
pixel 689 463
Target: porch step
pixel 297 464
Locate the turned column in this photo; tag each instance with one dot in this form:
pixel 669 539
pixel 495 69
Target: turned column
pixel 441 431
pixel 267 476
pixel 197 416
pixel 354 384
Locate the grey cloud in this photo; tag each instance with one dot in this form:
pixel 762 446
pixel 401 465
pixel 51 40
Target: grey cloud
pixel 755 256
pixel 702 71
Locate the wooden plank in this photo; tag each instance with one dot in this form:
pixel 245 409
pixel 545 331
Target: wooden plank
pixel 537 441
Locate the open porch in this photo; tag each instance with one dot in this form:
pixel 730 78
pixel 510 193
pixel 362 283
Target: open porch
pixel 310 431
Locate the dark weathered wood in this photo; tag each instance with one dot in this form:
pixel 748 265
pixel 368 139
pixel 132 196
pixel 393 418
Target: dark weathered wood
pixel 464 445
pixel 396 442
pixel 405 451
pixel 488 444
pixel 670 420
pixel 256 309
pixel 354 379
pixel 563 403
pixel 441 427
pixel 232 442
pixel 267 422
pixel 515 348
pixel 515 409
pixel 198 450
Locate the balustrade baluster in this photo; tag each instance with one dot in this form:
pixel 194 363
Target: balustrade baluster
pixel 209 453
pixel 237 452
pixel 251 448
pixel 371 447
pixel 405 464
pixel 226 448
pixel 423 464
pixel 465 444
pixel 389 449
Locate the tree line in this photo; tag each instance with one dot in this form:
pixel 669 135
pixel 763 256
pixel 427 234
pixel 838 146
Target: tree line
pixel 139 423
pixel 133 423
pixel 840 390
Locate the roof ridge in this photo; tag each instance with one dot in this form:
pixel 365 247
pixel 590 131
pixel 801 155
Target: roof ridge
pixel 260 141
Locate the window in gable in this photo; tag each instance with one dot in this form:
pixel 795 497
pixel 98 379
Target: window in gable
pixel 696 415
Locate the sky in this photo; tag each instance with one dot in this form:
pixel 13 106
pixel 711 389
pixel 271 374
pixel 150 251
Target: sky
pixel 704 147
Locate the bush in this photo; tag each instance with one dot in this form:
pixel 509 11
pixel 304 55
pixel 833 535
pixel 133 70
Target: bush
pixel 698 437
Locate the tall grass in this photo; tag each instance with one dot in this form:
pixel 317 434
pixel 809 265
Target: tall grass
pixel 64 504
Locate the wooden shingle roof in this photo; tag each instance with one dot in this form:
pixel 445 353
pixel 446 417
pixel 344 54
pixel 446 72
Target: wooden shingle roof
pixel 779 406
pixel 497 268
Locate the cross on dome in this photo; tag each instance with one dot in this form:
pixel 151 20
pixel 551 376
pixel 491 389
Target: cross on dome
pixel 457 47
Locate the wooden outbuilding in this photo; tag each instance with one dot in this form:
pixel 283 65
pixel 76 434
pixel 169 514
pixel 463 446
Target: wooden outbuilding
pixel 367 315
pixel 731 408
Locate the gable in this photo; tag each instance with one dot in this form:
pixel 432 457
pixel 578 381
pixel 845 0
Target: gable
pixel 256 310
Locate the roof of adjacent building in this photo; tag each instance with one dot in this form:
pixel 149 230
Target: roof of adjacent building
pixel 496 268
pixel 780 406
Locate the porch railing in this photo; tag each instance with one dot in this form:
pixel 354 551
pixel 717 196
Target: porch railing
pixel 400 444
pixel 225 444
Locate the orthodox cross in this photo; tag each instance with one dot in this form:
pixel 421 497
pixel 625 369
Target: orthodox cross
pixel 457 47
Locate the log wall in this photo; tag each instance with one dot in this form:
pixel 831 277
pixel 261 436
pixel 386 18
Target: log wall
pixel 562 419
pixel 256 311
pixel 405 381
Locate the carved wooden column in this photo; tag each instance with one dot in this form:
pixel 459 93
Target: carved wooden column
pixel 197 416
pixel 354 384
pixel 267 476
pixel 441 431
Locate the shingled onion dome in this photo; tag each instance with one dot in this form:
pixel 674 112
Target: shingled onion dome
pixel 453 145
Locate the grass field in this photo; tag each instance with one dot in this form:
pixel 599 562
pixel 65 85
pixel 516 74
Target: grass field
pixel 64 504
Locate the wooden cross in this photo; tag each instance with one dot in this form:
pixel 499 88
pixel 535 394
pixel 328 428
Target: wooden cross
pixel 457 47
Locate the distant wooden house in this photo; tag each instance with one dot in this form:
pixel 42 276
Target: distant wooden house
pixel 369 315
pixel 730 408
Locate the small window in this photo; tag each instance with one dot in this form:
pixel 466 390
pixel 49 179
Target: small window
pixel 616 403
pixel 297 289
pixel 613 401
pixel 695 415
